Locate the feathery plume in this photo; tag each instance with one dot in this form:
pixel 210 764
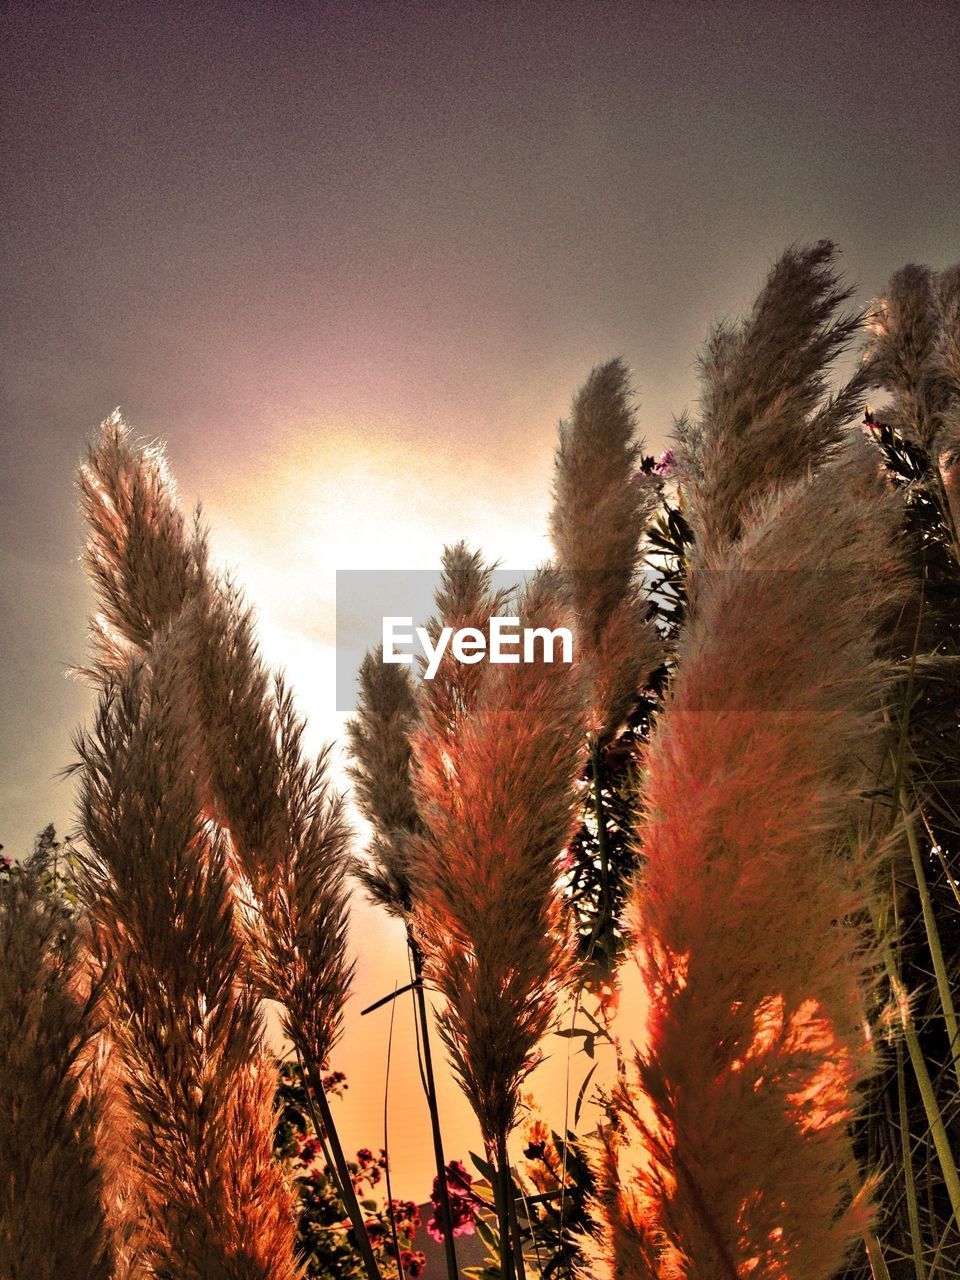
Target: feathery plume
pixel 496 794
pixel 465 598
pixel 287 831
pixel 903 349
pixel 143 561
pixel 914 353
pixel 296 925
pixel 948 294
pixel 765 417
pixel 380 742
pixel 251 1176
pixel 121 1196
pixel 283 832
pixel 602 503
pixel 289 839
pixel 496 766
pixel 155 882
pixel 380 745
pixel 733 1156
pixel 51 1221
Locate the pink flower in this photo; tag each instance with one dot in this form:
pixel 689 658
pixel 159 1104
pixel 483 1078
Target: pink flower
pixel 461 1208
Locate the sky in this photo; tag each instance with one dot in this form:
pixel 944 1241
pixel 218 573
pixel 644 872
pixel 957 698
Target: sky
pixel 350 262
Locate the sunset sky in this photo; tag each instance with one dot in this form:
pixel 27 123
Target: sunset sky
pixel 350 262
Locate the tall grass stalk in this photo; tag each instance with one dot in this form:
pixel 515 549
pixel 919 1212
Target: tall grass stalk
pixel 284 832
pixel 914 356
pixel 738 1100
pixel 909 1181
pixel 290 842
pixel 766 417
pixel 928 1094
pixel 386 1143
pixel 932 930
pixel 380 744
pixel 602 504
pixel 187 1029
pixel 496 762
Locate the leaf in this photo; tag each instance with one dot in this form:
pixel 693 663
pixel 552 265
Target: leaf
pixel 486 1233
pixel 582 1093
pixel 484 1167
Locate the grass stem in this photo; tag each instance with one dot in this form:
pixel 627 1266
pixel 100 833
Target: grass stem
pixel 932 931
pixel 430 1089
pixel 948 1166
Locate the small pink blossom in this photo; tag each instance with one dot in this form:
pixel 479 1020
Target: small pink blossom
pixel 666 463
pixel 461 1208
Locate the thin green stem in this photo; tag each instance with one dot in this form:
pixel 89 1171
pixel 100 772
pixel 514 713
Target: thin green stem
pixel 913 1210
pixel 948 1166
pixel 527 1201
pixel 391 1212
pixel 315 1120
pixel 932 931
pixel 430 1089
pixel 878 1266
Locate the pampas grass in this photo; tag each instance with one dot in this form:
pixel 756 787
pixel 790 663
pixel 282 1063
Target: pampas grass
pixel 289 840
pixel 765 414
pixel 288 832
pixel 156 886
pixel 913 349
pixel 496 798
pixel 602 504
pixel 733 1156
pixel 382 754
pixel 214 873
pixel 496 789
pixel 144 562
pixel 121 1196
pixel 906 356
pixel 283 831
pixel 52 1224
pixel 379 736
